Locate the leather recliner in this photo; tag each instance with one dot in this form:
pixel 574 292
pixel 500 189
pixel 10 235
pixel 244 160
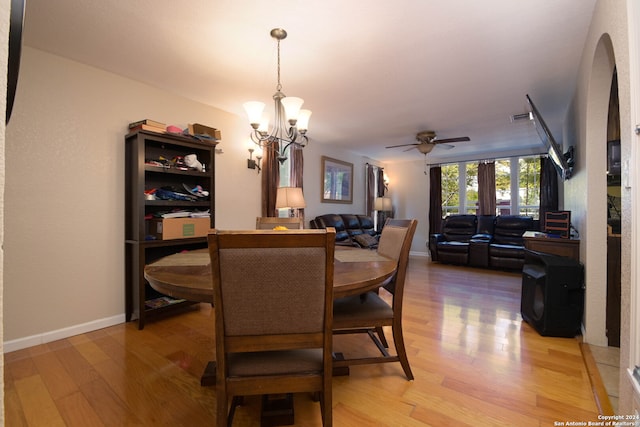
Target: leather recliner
pixel 452 244
pixel 506 249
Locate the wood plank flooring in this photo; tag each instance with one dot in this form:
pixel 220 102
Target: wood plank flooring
pixel 475 361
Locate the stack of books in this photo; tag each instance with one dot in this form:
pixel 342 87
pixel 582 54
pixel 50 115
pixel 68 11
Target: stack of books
pixel 149 125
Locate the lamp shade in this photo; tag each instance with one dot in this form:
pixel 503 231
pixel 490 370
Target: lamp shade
pixel 290 198
pixel 303 120
pixel 292 105
pixel 254 110
pixel 382 204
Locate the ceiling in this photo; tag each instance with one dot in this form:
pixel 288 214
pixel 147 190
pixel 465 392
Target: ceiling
pixel 373 72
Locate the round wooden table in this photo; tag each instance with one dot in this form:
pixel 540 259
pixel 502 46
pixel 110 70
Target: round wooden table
pixel 187 275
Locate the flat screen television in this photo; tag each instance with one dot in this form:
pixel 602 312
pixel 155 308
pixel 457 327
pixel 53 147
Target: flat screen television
pixel 562 162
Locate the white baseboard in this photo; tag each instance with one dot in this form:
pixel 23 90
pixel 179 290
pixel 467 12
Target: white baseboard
pixel 420 254
pixel 20 343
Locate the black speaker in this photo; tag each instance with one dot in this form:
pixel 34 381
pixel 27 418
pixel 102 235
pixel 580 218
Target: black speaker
pixel 552 294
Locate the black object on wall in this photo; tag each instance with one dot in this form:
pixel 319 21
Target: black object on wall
pixel 552 294
pixel 15 47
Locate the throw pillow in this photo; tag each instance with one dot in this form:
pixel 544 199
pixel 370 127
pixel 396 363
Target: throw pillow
pixel 366 241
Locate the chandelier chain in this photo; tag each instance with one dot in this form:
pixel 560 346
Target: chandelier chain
pixel 279 86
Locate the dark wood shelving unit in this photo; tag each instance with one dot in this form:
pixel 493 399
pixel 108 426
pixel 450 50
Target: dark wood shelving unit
pixel 140 247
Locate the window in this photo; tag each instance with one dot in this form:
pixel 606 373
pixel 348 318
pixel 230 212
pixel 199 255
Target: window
pixel 471 187
pixel 516 176
pixel 529 186
pixel 503 187
pixel 450 189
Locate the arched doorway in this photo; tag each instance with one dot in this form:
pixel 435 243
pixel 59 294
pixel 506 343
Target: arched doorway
pixel 614 217
pixel 594 235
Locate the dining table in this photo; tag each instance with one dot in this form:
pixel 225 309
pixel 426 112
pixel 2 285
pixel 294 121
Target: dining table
pixel 187 275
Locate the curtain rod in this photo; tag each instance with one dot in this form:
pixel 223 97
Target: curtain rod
pixel 375 166
pixel 484 160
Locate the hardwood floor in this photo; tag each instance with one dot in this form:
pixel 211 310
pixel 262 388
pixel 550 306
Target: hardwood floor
pixel 475 361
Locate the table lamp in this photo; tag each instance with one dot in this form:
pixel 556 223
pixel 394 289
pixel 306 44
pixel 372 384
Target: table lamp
pixel 290 198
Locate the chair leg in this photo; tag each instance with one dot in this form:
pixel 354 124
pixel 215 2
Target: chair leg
pixel 235 402
pixel 381 336
pixel 326 408
pixel 398 339
pixel 222 414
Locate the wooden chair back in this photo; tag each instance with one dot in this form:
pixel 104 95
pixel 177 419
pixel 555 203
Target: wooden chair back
pixel 269 223
pixel 395 242
pixel 273 297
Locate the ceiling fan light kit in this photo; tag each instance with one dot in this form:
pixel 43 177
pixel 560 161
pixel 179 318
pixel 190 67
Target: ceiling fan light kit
pixel 427 140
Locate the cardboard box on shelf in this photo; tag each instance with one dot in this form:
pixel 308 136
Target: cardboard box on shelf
pixel 198 129
pixel 179 228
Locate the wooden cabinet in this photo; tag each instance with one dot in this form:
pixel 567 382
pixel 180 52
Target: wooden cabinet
pixel 553 245
pixel 149 165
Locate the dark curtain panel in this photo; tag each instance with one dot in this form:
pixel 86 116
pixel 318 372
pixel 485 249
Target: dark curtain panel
pixel 270 179
pixel 487 188
pixel 371 181
pixel 296 173
pixel 548 189
pixel 380 182
pixel 380 193
pixel 435 199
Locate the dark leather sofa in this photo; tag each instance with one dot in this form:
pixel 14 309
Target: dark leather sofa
pixel 452 245
pixel 347 226
pixel 482 241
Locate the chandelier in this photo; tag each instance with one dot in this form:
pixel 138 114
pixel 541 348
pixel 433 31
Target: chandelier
pixel 291 122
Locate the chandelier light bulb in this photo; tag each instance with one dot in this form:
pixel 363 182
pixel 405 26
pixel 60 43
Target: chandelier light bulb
pixel 263 127
pixel 303 120
pixel 292 107
pixel 254 110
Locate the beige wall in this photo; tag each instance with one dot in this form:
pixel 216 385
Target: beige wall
pixel 4 31
pixel 64 247
pixel 409 192
pixel 585 193
pixel 607 45
pixel 64 263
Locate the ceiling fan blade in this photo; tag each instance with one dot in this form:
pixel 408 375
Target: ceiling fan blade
pixel 460 139
pixel 401 145
pixel 446 146
pixel 411 148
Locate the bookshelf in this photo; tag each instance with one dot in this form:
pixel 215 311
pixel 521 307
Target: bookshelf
pixel 143 151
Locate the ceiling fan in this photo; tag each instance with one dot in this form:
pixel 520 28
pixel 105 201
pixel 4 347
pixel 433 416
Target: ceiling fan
pixel 427 140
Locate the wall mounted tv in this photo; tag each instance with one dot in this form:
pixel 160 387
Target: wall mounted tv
pixel 562 162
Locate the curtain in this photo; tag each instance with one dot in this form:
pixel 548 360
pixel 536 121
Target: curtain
pixel 435 199
pixel 548 189
pixel 380 182
pixel 486 188
pixel 270 179
pixel 371 180
pixel 380 193
pixel 296 179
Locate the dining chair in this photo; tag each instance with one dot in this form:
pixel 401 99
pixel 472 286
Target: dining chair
pixel 369 313
pixel 273 293
pixel 269 223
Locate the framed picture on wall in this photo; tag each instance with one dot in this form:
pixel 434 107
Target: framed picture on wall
pixel 337 181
